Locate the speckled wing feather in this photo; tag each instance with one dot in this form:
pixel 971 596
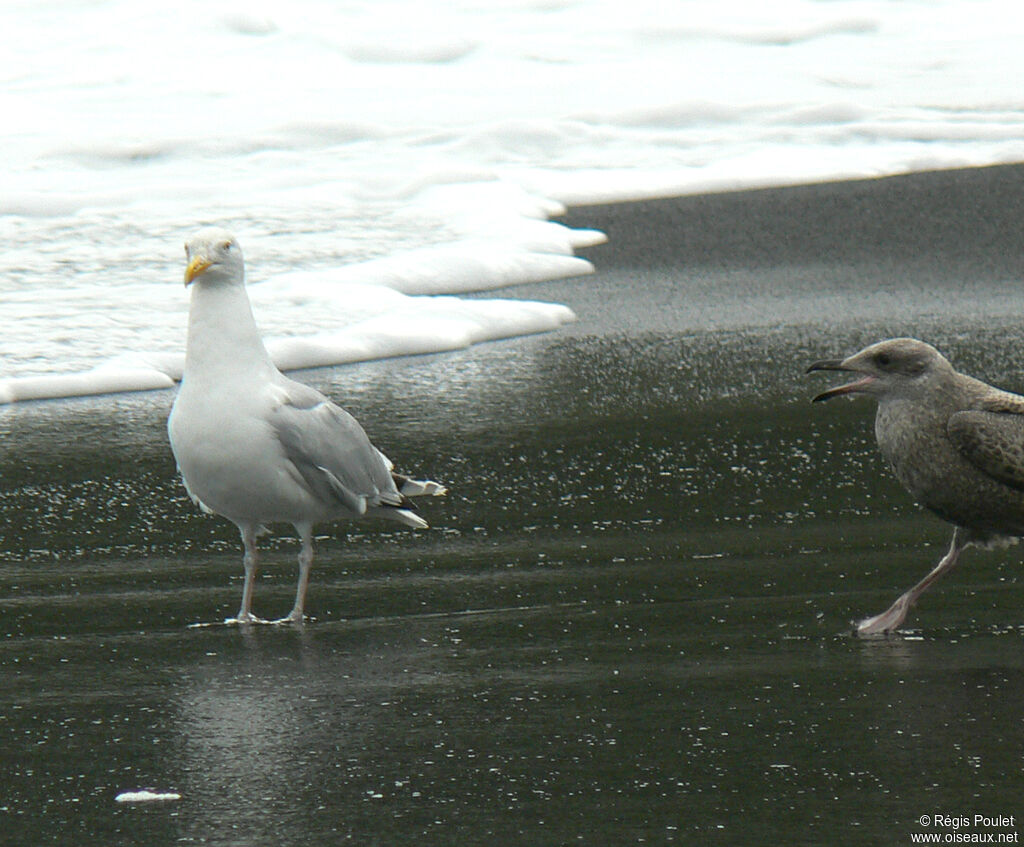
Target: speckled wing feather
pixel 992 437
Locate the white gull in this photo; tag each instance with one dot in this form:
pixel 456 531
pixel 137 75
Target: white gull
pixel 257 447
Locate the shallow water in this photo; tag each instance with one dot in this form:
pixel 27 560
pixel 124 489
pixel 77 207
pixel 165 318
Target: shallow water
pixel 627 625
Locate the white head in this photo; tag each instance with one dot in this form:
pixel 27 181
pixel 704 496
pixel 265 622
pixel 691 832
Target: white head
pixel 896 367
pixel 214 257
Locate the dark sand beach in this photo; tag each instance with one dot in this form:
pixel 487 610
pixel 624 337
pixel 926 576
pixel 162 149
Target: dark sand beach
pixel 630 621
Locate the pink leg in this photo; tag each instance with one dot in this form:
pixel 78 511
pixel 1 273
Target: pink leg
pixel 897 612
pixel 305 563
pixel 251 561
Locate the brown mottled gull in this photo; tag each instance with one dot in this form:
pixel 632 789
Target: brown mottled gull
pixel 956 443
pixel 257 447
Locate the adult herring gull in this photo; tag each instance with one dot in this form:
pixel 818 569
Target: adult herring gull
pixel 257 447
pixel 956 443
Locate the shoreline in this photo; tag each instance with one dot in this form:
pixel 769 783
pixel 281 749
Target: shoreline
pixel 875 249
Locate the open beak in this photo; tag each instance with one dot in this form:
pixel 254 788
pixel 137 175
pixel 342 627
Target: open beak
pixel 196 267
pixel 850 388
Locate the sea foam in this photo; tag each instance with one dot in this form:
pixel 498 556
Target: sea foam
pixel 428 150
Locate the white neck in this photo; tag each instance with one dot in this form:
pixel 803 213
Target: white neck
pixel 222 334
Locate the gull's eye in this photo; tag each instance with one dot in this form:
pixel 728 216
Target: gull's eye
pixel 226 246
pixel 883 360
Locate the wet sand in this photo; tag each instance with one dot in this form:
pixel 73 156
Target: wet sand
pixel 629 623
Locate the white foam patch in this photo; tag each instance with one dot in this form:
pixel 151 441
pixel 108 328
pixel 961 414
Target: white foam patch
pixel 463 267
pixel 146 796
pixel 443 324
pixel 106 379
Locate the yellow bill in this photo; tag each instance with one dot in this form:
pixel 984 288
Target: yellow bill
pixel 196 267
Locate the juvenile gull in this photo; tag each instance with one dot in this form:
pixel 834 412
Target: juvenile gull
pixel 954 442
pixel 257 447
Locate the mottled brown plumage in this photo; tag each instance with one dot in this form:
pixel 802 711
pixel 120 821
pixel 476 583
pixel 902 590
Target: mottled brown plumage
pixel 956 443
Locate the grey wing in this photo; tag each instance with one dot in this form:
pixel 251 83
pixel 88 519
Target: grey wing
pixel 333 454
pixel 992 441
